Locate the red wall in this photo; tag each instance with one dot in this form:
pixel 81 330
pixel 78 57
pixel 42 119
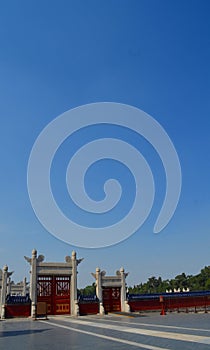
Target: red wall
pixel 18 310
pixel 170 303
pixel 88 308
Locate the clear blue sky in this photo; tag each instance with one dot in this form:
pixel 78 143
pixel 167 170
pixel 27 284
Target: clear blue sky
pixel 150 54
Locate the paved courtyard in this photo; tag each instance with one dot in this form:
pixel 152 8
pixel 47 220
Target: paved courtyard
pixel 150 331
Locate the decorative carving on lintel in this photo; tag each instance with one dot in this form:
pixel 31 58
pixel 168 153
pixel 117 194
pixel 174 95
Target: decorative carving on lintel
pixel 40 258
pixel 79 261
pixel 28 259
pixel 118 273
pixel 68 259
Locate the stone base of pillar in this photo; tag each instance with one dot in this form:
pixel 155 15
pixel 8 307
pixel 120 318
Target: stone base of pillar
pixel 76 308
pixel 33 310
pixel 3 312
pixel 101 309
pixel 127 307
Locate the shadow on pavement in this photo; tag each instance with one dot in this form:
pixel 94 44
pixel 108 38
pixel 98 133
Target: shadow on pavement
pixel 21 332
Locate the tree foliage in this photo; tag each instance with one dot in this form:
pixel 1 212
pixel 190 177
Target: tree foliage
pixel 198 282
pixel 88 290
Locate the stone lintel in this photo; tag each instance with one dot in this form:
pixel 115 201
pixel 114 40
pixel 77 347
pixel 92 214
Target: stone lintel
pixel 111 284
pixel 56 265
pixel 111 279
pixel 54 270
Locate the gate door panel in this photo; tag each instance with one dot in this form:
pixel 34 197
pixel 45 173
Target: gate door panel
pixel 111 299
pixel 44 292
pixel 55 291
pixel 62 295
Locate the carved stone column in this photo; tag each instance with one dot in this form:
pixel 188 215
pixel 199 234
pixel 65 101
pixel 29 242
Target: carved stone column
pixel 4 290
pixel 9 286
pixel 74 302
pixel 33 284
pixel 124 304
pixel 98 277
pixel 123 289
pixel 24 287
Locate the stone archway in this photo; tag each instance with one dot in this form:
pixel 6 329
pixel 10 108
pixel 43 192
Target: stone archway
pixel 111 291
pixel 54 283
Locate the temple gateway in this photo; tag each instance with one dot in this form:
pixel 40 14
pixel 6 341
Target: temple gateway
pixel 53 290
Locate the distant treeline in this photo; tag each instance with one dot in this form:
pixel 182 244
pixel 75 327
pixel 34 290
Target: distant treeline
pixel 198 282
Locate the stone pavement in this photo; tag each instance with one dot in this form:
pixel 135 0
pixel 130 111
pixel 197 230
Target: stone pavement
pixel 150 331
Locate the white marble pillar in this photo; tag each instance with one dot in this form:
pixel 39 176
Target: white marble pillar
pixel 125 307
pixel 99 290
pixel 123 289
pixel 24 287
pixel 98 284
pixel 4 290
pixel 73 296
pixel 9 286
pixel 33 284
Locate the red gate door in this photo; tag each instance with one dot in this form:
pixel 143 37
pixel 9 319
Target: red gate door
pixel 111 299
pixel 55 291
pixel 62 295
pixel 44 291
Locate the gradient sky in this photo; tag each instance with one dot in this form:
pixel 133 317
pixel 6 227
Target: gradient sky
pixel 151 54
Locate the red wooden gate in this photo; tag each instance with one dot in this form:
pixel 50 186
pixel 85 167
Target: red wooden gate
pixel 111 299
pixel 55 291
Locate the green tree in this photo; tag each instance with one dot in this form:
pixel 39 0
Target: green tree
pixel 88 290
pixel 157 285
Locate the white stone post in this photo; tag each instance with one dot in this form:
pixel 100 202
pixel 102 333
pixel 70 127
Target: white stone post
pixel 9 286
pixel 73 296
pixel 33 284
pixel 24 287
pixel 98 284
pixel 4 290
pixel 99 290
pixel 124 304
pixel 123 289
